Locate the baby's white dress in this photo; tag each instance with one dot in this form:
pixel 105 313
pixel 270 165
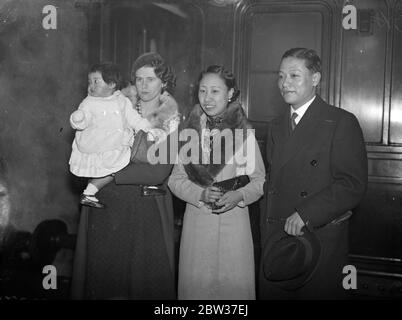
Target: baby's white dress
pixel 102 141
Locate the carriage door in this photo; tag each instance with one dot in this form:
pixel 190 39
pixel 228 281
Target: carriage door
pixel 265 32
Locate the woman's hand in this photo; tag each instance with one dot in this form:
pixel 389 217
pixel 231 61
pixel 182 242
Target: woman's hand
pixel 211 194
pixel 229 200
pixel 78 116
pixel 131 93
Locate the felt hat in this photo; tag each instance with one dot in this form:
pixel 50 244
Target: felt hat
pixel 290 261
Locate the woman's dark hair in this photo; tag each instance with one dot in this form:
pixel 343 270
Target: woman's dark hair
pixel 110 73
pixel 227 77
pixel 311 58
pixel 162 71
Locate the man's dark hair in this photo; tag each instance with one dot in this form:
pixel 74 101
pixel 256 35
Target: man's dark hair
pixel 310 56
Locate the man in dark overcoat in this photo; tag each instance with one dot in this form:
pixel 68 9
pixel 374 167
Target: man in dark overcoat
pixel 317 173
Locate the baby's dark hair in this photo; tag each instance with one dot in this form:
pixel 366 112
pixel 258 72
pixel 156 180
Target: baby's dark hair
pixel 110 73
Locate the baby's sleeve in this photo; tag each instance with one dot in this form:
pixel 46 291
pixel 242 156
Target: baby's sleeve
pixel 134 119
pixel 87 119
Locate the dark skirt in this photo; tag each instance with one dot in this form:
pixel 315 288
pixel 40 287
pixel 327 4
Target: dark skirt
pixel 121 250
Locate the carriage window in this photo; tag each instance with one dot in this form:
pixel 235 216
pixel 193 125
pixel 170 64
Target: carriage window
pixel 270 32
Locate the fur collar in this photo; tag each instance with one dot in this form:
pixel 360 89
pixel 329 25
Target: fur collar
pixel 233 118
pixel 167 110
pixel 161 114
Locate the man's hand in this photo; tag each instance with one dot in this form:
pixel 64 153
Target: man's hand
pixel 294 224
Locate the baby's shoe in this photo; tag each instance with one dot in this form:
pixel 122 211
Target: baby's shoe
pixel 91 201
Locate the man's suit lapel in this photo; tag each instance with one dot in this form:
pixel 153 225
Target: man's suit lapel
pixel 288 145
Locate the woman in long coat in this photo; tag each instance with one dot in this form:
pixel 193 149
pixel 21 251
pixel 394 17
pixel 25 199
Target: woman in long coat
pixel 216 249
pixel 126 251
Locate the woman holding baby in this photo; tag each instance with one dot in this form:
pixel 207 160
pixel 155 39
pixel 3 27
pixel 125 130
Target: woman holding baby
pixel 126 250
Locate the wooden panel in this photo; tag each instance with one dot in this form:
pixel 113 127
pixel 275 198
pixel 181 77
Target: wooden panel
pixel 275 32
pixel 395 134
pixel 266 101
pixel 363 74
pixel 285 30
pixel 121 43
pixel 385 169
pixel 376 227
pixel 270 30
pixel 377 278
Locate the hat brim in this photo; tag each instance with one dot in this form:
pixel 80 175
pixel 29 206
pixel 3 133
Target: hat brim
pixel 300 280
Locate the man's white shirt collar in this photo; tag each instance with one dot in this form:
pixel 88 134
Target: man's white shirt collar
pixel 302 110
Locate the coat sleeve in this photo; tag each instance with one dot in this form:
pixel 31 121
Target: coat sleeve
pixel 183 188
pixel 349 176
pixel 256 172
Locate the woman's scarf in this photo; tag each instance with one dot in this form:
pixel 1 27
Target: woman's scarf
pixel 232 118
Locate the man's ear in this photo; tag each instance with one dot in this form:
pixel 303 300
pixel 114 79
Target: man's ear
pixel 112 85
pixel 316 78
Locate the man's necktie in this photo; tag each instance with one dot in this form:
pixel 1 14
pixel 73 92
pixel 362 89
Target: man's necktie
pixel 293 120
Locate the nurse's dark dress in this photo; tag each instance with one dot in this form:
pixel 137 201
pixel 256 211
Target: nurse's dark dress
pixel 126 251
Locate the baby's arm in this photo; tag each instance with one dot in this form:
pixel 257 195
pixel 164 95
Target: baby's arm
pixel 135 121
pixel 80 119
pixel 139 123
